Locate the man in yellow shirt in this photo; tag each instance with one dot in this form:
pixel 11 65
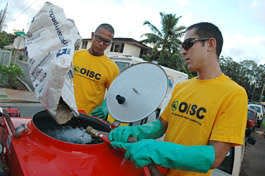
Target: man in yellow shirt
pixel 94 72
pixel 204 118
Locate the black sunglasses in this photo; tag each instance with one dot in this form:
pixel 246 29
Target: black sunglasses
pixel 98 38
pixel 188 43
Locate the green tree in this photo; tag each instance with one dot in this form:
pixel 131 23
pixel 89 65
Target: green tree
pixel 166 42
pixel 6 38
pixel 260 84
pixel 248 74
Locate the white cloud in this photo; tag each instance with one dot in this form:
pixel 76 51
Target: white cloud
pixel 253 4
pixel 257 9
pixel 241 47
pixel 127 17
pixel 182 3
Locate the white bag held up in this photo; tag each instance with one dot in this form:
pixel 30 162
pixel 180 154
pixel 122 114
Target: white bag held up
pixel 50 46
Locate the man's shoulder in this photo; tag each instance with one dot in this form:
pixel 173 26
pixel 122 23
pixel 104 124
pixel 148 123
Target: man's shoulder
pixel 233 84
pixel 80 51
pixel 232 87
pixel 109 60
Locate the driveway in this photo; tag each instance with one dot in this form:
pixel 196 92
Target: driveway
pixel 254 164
pixel 26 109
pixel 25 101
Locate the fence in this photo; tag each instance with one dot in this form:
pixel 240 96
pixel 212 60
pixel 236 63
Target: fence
pixel 5 57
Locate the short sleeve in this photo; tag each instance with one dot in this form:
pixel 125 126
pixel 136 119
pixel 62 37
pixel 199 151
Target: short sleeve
pixel 230 123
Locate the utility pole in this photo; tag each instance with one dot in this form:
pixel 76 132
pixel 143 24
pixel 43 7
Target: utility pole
pixel 261 95
pixel 3 13
pixel 253 91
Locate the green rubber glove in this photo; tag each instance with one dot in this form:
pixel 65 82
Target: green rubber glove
pixel 100 111
pixel 170 155
pixel 147 131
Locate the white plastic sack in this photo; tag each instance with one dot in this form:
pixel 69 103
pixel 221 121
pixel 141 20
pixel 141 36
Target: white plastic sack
pixel 50 46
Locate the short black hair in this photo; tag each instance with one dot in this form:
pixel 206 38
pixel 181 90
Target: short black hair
pixel 207 30
pixel 106 26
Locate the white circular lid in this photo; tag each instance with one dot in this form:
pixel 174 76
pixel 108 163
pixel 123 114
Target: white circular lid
pixel 137 92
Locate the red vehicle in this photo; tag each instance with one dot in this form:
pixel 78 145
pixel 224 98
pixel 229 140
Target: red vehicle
pixel 13 112
pixel 28 148
pixel 251 124
pixel 252 119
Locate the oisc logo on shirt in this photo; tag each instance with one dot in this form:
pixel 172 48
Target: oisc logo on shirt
pixel 188 109
pixel 87 73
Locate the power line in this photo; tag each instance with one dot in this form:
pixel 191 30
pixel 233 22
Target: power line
pixel 27 7
pixel 3 16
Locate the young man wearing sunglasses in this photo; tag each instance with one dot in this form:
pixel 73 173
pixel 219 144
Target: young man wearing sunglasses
pixel 94 72
pixel 204 118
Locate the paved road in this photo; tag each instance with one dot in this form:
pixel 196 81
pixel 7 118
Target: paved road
pixel 26 109
pixel 24 100
pixel 254 164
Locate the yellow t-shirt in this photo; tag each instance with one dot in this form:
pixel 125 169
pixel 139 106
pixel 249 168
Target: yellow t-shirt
pixel 203 110
pixel 92 76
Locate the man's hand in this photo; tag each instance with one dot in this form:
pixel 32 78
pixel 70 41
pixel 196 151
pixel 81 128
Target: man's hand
pixel 169 155
pixel 100 111
pixel 149 130
pixel 138 152
pixel 122 134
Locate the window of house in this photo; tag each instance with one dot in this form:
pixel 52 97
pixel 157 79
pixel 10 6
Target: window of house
pixel 117 47
pixel 84 44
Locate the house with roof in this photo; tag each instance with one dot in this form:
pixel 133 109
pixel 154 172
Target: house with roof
pixel 124 46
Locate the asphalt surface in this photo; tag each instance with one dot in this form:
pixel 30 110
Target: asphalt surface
pixel 253 163
pixel 26 109
pixel 25 101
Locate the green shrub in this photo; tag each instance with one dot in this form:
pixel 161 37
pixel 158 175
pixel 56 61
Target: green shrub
pixel 8 75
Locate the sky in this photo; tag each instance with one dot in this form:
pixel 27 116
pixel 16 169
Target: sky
pixel 242 22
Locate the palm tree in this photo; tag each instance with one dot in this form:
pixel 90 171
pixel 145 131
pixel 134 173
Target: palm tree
pixel 165 42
